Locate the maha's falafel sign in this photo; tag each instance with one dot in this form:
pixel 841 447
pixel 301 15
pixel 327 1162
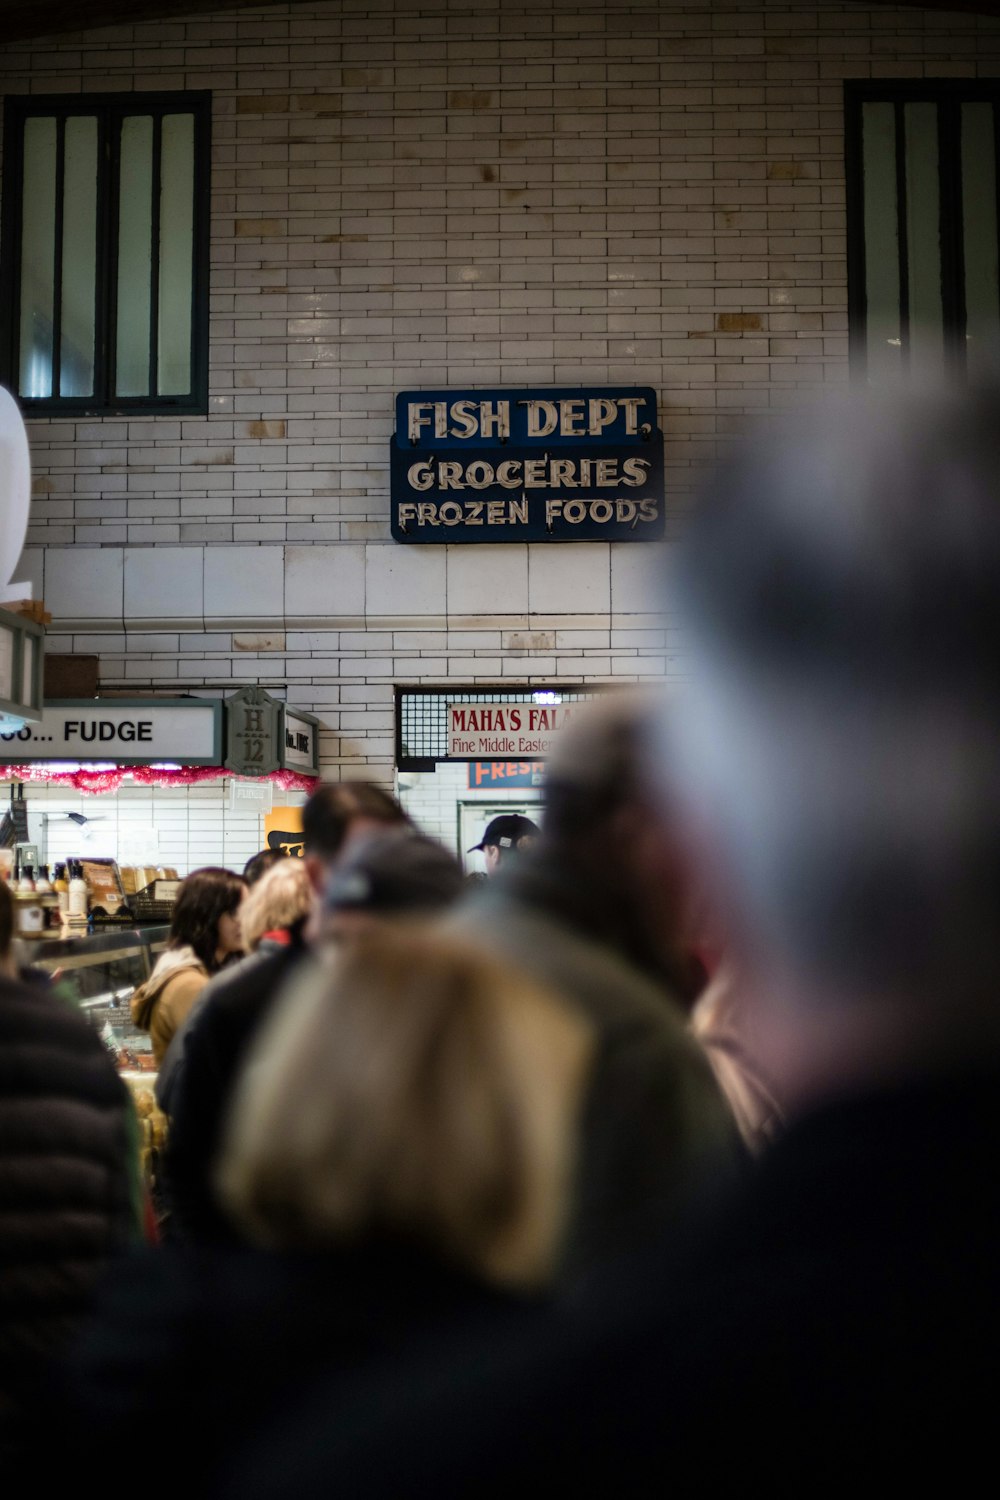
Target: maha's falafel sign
pixel 525 731
pixel 527 466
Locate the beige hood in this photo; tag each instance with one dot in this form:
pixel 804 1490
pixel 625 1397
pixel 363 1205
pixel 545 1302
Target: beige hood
pixel 167 965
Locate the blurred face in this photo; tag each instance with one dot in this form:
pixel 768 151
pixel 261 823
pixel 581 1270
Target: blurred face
pixel 230 933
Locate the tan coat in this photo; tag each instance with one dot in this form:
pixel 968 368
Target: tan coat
pixel 161 1005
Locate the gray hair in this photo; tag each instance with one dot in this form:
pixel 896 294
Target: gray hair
pixel 840 587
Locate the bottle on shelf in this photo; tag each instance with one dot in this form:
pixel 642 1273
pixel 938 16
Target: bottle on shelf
pixel 61 887
pixel 77 890
pixel 42 882
pixel 27 880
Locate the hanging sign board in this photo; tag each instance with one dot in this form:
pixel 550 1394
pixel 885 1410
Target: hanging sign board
pixel 562 465
pixel 522 730
pixel 254 796
pixel 252 732
pixel 125 731
pixel 299 742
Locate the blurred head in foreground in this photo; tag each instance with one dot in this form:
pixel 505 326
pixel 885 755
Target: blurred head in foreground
pixel 608 841
pixel 435 1097
pixel 395 872
pixel 336 814
pixel 837 752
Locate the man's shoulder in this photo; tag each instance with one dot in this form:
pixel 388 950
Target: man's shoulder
pixel 253 975
pixel 27 1008
pixel 45 1038
pixel 233 1000
pixel 807 1302
pixel 612 992
pixel 30 1014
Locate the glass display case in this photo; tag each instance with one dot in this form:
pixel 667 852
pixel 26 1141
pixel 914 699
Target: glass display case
pixel 100 971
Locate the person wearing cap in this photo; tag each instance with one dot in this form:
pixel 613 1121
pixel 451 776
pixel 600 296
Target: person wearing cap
pixel 508 834
pixel 397 872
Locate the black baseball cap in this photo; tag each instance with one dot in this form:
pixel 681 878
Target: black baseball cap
pixel 506 831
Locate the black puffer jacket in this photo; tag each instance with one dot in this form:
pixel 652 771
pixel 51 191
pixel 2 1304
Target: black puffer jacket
pixel 68 1189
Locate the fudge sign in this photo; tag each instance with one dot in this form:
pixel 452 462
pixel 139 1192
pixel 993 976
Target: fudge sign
pixel 125 731
pixel 527 466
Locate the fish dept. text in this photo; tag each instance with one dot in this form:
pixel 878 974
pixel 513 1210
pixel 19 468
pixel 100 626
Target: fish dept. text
pixel 576 416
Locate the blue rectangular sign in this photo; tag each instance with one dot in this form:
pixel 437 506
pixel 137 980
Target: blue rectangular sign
pixel 527 466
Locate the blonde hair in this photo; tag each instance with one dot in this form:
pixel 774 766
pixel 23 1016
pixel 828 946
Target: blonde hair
pixel 279 898
pixel 408 1085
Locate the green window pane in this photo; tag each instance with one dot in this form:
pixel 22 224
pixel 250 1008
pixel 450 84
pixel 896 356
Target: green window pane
pixel 923 239
pixel 79 258
pixel 176 251
pixel 135 237
pixel 979 229
pixel 883 338
pixel 38 254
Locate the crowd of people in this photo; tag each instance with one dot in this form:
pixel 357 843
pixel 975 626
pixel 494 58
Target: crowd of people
pixel 663 1157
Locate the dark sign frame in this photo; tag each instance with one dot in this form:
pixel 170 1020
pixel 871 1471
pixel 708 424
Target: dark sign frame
pixel 532 465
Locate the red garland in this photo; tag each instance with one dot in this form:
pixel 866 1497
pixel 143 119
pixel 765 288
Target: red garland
pixel 110 780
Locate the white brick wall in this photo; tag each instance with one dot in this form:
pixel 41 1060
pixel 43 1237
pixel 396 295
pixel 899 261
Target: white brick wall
pixel 560 191
pixel 183 827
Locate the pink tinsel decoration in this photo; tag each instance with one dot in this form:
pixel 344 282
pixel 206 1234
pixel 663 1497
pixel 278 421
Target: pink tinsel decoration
pixel 110 779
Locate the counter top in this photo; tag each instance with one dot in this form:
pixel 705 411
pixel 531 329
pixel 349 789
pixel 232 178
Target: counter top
pixel 90 944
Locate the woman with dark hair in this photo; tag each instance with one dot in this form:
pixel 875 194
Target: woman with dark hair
pixel 204 935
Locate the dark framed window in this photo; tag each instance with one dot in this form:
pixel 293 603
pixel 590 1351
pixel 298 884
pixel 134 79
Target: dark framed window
pixel 104 253
pixel 923 279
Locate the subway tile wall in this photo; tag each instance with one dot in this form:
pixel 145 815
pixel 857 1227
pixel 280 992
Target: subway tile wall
pixel 181 827
pixel 560 191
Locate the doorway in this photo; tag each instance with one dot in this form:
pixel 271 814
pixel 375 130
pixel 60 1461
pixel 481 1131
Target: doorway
pixel 473 816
